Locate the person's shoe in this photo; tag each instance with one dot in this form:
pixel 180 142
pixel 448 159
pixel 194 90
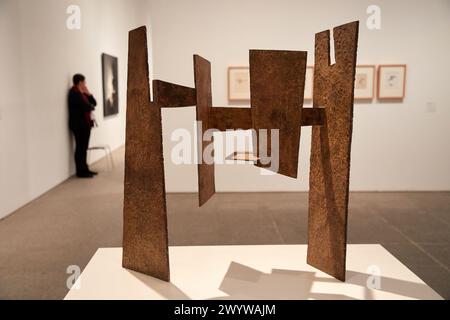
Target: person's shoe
pixel 85 175
pixel 93 173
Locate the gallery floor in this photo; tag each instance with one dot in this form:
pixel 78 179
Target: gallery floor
pixel 68 224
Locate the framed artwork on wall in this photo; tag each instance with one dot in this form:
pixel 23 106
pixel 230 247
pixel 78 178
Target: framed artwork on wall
pixel 364 82
pixel 239 84
pixel 391 81
pixel 110 85
pixel 309 83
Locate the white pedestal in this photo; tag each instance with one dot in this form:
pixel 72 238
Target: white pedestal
pixel 251 272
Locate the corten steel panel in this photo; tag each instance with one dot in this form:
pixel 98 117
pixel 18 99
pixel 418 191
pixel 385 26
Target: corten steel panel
pixel 313 116
pixel 330 150
pixel 170 95
pixel 277 82
pixel 225 118
pixel 206 182
pixel 145 243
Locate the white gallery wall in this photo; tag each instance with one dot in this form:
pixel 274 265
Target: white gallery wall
pixel 396 146
pixel 38 56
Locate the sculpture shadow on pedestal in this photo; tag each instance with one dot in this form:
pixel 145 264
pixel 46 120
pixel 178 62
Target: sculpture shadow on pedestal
pixel 244 283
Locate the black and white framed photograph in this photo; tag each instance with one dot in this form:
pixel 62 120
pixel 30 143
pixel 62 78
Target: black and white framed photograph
pixel 110 85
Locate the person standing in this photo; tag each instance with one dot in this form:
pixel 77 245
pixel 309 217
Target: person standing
pixel 81 105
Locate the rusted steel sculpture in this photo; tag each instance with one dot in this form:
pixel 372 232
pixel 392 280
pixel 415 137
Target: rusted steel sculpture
pixel 277 84
pixel 145 241
pixel 277 80
pixel 206 182
pixel 330 150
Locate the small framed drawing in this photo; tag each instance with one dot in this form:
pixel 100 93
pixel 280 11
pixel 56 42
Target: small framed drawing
pixel 309 83
pixel 364 82
pixel 238 83
pixel 391 81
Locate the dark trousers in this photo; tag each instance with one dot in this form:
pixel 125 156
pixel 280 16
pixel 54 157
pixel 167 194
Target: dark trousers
pixel 82 136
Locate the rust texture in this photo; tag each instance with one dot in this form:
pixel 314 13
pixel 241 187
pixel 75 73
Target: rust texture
pixel 145 241
pixel 224 118
pixel 313 116
pixel 169 95
pixel 277 82
pixel 330 150
pixel 202 75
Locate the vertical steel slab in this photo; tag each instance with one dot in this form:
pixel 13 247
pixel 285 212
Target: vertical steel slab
pixel 330 150
pixel 145 240
pixel 277 84
pixel 206 180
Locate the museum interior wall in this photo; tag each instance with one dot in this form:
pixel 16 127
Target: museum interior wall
pixel 396 145
pixel 38 56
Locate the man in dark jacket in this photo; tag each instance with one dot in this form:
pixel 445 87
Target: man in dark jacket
pixel 81 104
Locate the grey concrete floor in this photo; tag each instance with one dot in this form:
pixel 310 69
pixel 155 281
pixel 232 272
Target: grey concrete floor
pixel 68 224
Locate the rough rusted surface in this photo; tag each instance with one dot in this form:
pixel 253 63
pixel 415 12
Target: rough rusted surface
pixel 170 95
pixel 223 118
pixel 313 117
pixel 330 150
pixel 206 181
pixel 277 84
pixel 145 244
